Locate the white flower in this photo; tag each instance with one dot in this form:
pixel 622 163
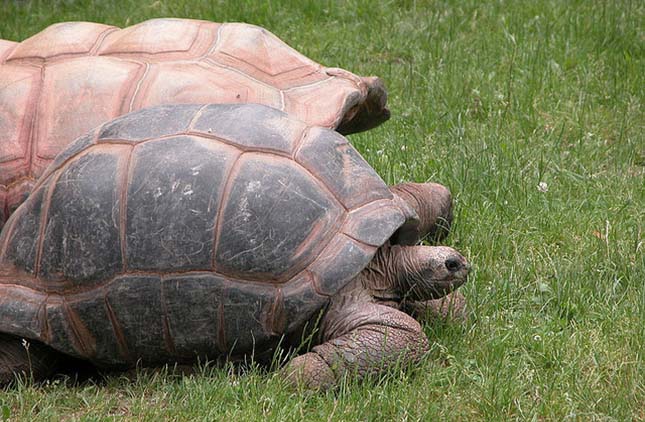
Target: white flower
pixel 543 187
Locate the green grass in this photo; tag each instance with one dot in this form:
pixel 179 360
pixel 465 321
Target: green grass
pixel 491 99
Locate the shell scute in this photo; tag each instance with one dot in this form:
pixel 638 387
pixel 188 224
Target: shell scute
pixel 339 262
pixel 329 156
pixel 301 299
pixel 18 92
pixel 65 38
pixel 150 123
pixel 140 327
pixel 21 311
pixel 312 102
pixel 95 91
pixel 192 304
pixel 101 341
pixel 374 223
pixel 263 56
pixel 250 127
pixel 61 333
pixel 173 200
pixel 22 235
pixel 246 313
pixel 172 38
pixel 260 234
pixel 201 83
pixel 85 195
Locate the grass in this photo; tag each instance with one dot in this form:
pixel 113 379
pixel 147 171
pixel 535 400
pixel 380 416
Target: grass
pixel 491 99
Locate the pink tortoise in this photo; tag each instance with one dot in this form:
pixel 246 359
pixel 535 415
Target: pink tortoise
pixel 73 76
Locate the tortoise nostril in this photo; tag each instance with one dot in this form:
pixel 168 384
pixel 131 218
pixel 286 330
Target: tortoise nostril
pixel 453 264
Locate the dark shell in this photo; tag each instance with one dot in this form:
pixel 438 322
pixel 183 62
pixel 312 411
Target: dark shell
pixel 190 230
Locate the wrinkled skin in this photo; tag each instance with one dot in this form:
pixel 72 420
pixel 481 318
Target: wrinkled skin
pixel 365 329
pixel 372 324
pixel 433 204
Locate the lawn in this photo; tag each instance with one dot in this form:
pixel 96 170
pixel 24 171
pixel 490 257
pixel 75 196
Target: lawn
pixel 531 112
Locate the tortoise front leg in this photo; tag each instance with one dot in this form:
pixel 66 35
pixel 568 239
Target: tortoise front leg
pixel 364 339
pixel 451 307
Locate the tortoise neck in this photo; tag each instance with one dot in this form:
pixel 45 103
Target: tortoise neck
pixel 379 278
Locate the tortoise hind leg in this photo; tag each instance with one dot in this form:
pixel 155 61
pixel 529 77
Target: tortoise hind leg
pixel 19 357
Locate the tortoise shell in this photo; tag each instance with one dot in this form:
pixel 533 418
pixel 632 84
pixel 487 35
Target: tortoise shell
pixel 188 230
pixel 73 76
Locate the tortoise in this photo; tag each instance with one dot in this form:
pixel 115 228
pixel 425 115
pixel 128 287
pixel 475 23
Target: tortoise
pixel 72 76
pixel 187 232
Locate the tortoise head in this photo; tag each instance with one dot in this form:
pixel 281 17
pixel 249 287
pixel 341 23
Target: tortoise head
pixel 428 272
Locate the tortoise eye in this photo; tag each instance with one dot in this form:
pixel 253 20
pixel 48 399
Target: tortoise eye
pixel 453 264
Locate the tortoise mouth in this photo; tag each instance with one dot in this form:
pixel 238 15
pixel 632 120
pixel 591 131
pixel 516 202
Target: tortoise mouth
pixel 438 287
pixel 447 285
